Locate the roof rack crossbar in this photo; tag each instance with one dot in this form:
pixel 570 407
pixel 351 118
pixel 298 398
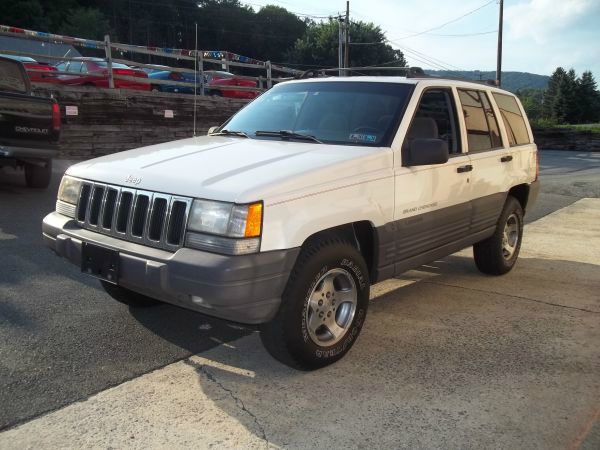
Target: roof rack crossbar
pixel 410 72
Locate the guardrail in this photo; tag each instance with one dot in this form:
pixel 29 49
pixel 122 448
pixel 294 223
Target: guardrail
pixel 225 60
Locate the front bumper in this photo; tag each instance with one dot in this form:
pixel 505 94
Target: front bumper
pixel 244 288
pixel 49 152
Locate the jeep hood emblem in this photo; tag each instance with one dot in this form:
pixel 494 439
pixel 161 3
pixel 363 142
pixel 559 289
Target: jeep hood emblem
pixel 133 180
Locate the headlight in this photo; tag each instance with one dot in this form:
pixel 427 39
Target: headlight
pixel 224 227
pixel 69 190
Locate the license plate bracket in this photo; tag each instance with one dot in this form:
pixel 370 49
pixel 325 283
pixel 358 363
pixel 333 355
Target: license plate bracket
pixel 100 262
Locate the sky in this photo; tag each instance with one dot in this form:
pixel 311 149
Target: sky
pixel 539 35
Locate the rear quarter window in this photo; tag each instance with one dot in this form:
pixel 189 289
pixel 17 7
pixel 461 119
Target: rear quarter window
pixel 11 77
pixel 513 119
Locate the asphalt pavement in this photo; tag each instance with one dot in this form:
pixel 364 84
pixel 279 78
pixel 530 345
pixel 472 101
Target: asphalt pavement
pixel 62 340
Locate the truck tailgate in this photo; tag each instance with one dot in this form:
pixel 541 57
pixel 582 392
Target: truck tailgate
pixel 27 118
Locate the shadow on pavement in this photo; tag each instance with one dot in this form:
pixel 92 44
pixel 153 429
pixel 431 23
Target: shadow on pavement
pixel 441 363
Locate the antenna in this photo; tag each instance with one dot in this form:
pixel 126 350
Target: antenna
pixel 195 77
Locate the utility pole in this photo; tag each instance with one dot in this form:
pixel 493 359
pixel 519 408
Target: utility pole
pixel 499 60
pixel 340 46
pixel 347 35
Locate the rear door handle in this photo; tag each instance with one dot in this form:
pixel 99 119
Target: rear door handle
pixel 466 168
pixel 506 158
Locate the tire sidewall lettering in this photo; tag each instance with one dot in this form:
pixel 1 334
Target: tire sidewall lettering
pixel 313 284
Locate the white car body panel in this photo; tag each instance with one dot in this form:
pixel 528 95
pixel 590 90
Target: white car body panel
pixel 307 187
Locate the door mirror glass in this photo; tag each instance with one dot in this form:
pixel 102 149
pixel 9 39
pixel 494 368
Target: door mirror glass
pixel 424 152
pixel 211 130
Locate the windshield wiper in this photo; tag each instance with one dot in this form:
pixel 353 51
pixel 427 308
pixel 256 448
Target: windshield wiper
pixel 229 133
pixel 286 134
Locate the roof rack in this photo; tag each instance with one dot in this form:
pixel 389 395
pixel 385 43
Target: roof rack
pixel 410 72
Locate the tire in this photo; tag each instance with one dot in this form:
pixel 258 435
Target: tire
pixel 38 176
pixel 300 335
pixel 498 254
pixel 127 297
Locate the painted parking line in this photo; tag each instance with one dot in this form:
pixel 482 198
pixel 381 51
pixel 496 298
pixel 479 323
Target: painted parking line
pixel 448 358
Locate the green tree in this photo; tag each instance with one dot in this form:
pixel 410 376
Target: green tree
pixel 551 93
pixel 532 102
pixel 86 23
pixel 275 31
pixel 27 14
pixel 319 46
pixel 588 98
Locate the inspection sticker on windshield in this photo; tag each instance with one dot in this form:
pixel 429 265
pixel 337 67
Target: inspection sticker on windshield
pixel 359 137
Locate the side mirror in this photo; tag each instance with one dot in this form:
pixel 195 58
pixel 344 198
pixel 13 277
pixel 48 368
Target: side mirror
pixel 211 130
pixel 423 152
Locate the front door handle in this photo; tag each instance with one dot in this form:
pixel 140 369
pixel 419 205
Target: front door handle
pixel 506 158
pixel 463 169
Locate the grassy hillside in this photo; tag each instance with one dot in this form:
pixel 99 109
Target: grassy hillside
pixel 511 81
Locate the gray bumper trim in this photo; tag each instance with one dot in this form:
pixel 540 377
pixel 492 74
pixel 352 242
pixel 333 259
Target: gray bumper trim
pixel 534 191
pixel 244 289
pixel 47 152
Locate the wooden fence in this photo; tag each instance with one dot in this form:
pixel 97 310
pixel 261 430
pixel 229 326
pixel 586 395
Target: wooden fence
pixel 97 122
pixel 183 61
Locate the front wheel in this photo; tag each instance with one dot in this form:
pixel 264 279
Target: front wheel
pixel 498 254
pixel 323 307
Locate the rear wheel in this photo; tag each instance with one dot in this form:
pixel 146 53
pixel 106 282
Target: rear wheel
pixel 323 307
pixel 128 297
pixel 498 254
pixel 38 175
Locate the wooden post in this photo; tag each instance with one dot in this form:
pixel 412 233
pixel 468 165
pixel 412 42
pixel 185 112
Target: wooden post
pixel 269 75
pixel 201 66
pixel 346 37
pixel 108 53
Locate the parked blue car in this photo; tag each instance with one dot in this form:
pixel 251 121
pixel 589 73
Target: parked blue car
pixel 186 77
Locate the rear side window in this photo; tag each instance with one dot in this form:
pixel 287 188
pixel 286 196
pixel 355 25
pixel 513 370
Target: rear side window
pixel 480 120
pixel 513 119
pixel 11 77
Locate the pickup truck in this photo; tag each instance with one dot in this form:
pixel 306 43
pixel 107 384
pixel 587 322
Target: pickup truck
pixel 29 126
pixel 286 215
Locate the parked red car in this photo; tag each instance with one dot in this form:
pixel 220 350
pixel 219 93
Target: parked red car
pixel 221 78
pixel 94 72
pixel 31 64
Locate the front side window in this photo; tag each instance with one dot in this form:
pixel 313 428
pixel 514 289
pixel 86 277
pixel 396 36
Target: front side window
pixel 435 118
pixel 480 121
pixel 513 119
pixel 344 112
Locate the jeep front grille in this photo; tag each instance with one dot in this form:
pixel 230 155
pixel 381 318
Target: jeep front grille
pixel 147 218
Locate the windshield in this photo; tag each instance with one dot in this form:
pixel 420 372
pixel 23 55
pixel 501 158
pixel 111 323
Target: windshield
pixel 345 112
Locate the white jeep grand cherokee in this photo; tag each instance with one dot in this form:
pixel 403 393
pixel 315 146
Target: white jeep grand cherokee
pixel 286 214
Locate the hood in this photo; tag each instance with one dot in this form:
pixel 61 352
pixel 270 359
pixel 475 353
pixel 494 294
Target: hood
pixel 232 169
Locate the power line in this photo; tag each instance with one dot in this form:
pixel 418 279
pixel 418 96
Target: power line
pixel 312 16
pixel 464 34
pixel 449 22
pixel 436 61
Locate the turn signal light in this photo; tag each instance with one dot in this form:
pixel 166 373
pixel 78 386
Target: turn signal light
pixel 254 220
